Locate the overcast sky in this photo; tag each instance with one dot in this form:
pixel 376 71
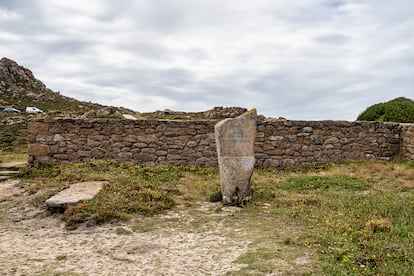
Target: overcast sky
pixel 299 59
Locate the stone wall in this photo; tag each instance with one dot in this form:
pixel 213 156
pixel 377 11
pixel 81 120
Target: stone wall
pixel 278 143
pixel 407 143
pixel 291 143
pixel 146 141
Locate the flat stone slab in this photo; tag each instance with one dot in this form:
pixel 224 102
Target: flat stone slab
pixel 9 173
pixel 129 117
pixel 13 165
pixel 76 193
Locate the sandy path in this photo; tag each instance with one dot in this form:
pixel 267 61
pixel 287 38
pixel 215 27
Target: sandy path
pixel 32 243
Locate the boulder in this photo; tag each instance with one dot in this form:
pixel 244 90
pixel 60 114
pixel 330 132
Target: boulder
pixel 235 150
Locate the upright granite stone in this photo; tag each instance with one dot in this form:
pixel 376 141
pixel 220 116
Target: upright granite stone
pixel 235 150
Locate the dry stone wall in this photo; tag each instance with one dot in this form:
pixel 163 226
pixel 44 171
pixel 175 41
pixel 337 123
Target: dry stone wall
pixel 291 143
pixel 146 141
pixel 279 143
pixel 407 141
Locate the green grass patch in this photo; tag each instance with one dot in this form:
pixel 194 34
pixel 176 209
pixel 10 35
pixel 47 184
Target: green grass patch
pixel 13 137
pixel 132 188
pixel 359 225
pixel 305 183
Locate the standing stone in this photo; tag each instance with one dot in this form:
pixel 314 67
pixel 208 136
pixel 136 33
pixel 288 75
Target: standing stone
pixel 235 150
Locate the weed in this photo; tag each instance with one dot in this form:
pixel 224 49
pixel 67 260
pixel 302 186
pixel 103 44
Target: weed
pixel 123 231
pixel 61 258
pixel 378 225
pixel 215 196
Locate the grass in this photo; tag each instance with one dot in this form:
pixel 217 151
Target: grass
pixel 349 219
pixel 18 156
pixel 359 216
pixel 13 137
pixel 132 189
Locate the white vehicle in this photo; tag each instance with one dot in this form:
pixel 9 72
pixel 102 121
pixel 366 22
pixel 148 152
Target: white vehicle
pixel 32 109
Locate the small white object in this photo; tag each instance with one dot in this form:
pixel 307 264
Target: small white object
pixel 32 109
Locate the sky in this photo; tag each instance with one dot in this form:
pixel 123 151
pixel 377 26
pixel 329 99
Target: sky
pixel 299 59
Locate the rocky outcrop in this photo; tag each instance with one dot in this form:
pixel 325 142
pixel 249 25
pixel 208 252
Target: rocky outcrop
pixel 12 74
pixel 17 81
pixel 19 88
pixel 235 151
pixel 220 112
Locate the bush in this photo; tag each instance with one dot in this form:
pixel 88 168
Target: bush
pixel 215 196
pixel 399 110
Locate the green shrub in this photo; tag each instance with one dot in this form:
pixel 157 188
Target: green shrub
pixel 399 110
pixel 215 196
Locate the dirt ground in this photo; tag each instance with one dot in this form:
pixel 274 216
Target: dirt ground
pixel 185 241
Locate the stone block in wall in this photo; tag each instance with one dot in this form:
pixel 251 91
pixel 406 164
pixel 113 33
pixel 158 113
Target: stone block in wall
pixel 58 138
pixel 61 156
pixel 173 157
pixel 98 153
pixel 161 128
pixel 332 141
pixel 116 138
pixel 40 159
pixel 38 150
pixel 125 156
pixel 271 163
pixel 276 138
pixel 144 157
pixel 140 145
pixel 161 152
pixel 317 139
pixel 149 138
pixel 35 128
pixel 44 138
pixel 84 153
pixel 290 138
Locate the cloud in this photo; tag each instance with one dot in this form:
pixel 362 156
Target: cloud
pixel 318 59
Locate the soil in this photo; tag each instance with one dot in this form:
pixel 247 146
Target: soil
pixel 201 240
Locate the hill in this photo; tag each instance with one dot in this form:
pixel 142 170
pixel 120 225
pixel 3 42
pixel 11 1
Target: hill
pixel 399 110
pixel 19 89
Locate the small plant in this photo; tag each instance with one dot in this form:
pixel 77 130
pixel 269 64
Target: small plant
pixel 378 225
pixel 61 257
pixel 215 196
